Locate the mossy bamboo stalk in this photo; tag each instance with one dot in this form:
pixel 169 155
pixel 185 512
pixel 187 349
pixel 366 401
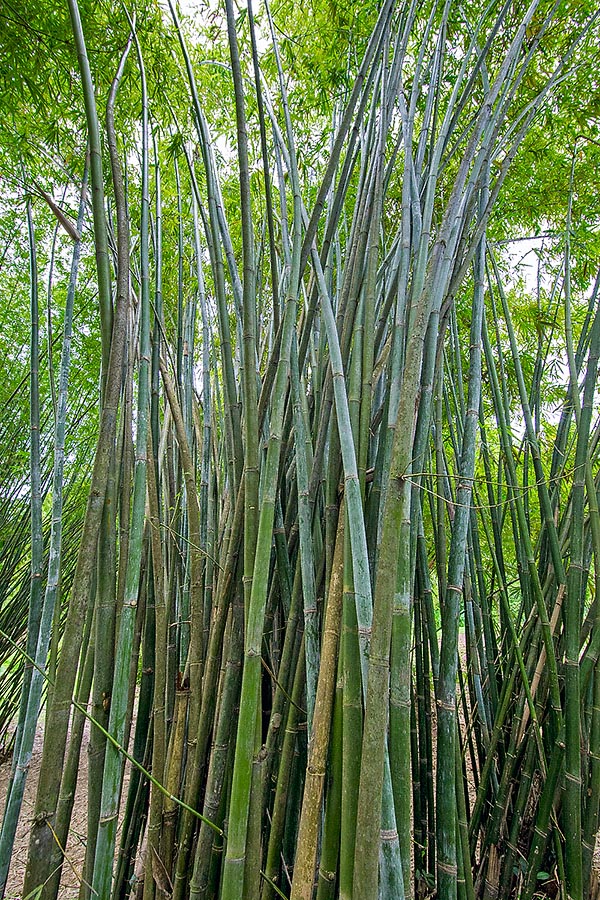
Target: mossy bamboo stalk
pixel 57 716
pixel 112 779
pixel 106 599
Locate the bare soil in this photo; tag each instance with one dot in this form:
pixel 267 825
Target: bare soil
pixel 72 871
pixel 73 865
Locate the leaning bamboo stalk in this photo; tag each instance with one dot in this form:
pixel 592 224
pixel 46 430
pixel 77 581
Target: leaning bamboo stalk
pixel 233 426
pixel 309 593
pixel 371 52
pixel 428 296
pixel 195 550
pixel 195 656
pixel 106 599
pixel 358 544
pixel 41 841
pixel 308 832
pixel 266 173
pixel 397 510
pixel 111 784
pixel 97 192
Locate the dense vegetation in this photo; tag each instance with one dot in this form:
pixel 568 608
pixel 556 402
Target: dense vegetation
pixel 299 504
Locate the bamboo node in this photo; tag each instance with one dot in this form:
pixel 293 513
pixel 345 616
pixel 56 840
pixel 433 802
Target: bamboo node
pixel 389 835
pixel 449 707
pixel 447 868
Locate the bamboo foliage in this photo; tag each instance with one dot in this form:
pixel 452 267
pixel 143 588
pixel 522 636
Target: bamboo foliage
pixel 334 611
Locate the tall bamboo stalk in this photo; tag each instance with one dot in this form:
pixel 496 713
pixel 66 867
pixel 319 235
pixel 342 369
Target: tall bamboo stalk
pixel 111 782
pixel 280 546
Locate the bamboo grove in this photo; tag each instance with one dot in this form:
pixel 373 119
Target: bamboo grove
pixel 323 577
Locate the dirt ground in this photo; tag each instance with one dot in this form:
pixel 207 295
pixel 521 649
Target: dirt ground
pixel 73 866
pixel 72 869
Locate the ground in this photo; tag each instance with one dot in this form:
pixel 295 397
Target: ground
pixel 73 866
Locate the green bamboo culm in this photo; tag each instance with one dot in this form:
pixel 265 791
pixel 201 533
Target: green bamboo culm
pixel 111 782
pixel 445 699
pixel 312 512
pixel 42 849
